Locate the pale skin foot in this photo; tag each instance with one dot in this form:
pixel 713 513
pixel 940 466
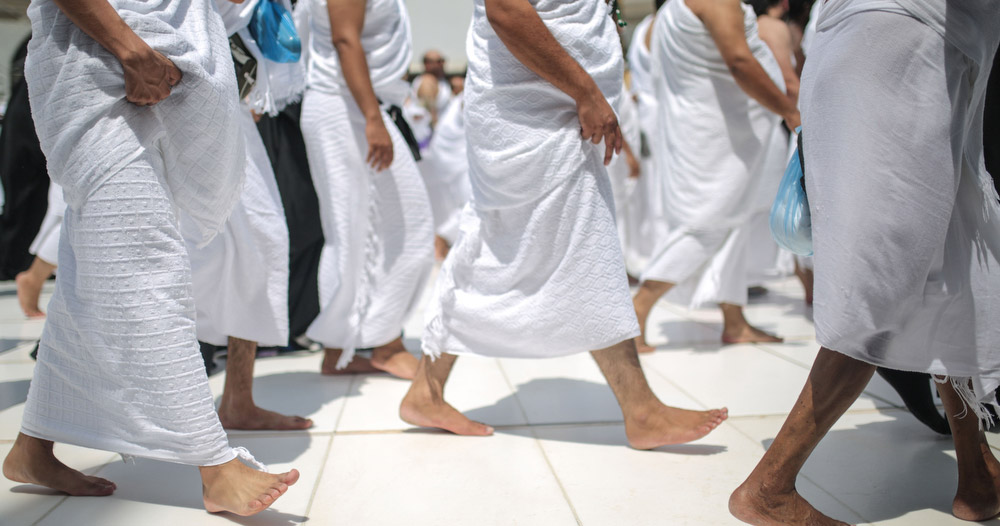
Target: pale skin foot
pixel 358 365
pixel 31 461
pixel 238 489
pixel 394 359
pixel 237 409
pixel 648 422
pixel 29 286
pixel 424 404
pixel 736 328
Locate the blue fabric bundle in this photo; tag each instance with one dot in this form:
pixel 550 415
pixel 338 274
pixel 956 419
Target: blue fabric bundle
pixel 274 30
pixel 791 222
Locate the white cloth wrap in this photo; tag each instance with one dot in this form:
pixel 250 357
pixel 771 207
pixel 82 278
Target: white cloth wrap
pixel 88 131
pixel 905 220
pixel 623 187
pixel 719 152
pixel 278 84
pixel 387 42
pixel 537 270
pixel 241 276
pixel 445 169
pixel 46 243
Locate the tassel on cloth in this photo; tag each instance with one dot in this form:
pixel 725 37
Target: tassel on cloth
pixel 966 390
pixel 243 454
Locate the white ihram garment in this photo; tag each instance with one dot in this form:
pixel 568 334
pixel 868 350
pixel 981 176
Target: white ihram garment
pixel 906 227
pixel 715 142
pixel 537 270
pixel 378 226
pixel 46 243
pixel 445 169
pixel 241 276
pixel 623 187
pixel 119 367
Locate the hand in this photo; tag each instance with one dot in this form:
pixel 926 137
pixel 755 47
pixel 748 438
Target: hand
pixel 634 168
pixel 598 122
pixel 149 77
pixel 379 144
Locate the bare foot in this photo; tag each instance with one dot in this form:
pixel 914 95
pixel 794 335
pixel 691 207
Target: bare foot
pixel 395 360
pixel 754 506
pixel 29 289
pixel 358 365
pixel 238 489
pixel 255 418
pixel 663 425
pixel 642 347
pixel 978 497
pixel 428 411
pixel 748 334
pixel 31 461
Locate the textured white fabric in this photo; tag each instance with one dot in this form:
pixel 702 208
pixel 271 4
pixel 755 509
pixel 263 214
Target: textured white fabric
pixel 277 84
pixel 241 276
pixel 119 367
pixel 88 131
pixel 378 227
pixel 46 243
pixel 717 148
pixel 906 232
pixel 537 270
pixel 445 169
pixel 623 187
pixel 385 38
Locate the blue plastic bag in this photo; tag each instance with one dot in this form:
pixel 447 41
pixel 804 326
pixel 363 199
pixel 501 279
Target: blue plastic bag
pixel 791 223
pixel 274 30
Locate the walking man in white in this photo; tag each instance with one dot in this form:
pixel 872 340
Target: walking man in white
pixel 538 270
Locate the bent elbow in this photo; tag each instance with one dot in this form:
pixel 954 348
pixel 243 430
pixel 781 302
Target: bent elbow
pixel 499 14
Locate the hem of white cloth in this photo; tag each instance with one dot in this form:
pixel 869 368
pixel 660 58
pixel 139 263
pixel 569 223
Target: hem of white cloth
pixel 125 449
pixel 434 353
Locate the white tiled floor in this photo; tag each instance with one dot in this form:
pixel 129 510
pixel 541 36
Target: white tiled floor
pixel 558 456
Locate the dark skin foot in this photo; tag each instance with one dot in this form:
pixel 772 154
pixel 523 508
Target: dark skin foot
pixel 254 418
pixel 754 505
pixel 31 461
pixel 358 365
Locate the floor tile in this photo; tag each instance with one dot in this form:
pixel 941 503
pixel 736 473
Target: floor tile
pixel 740 377
pixel 476 387
pixel 885 465
pixel 429 478
pixel 168 494
pixel 609 483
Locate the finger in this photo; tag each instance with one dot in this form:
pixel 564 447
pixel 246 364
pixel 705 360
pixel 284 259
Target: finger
pixel 370 159
pixel 598 136
pixel 619 140
pixel 609 148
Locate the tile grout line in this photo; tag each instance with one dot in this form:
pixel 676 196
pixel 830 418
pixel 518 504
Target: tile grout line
pixel 329 447
pixel 538 444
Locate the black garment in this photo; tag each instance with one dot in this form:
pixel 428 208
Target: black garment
pixel 991 122
pixel 287 150
pixel 24 177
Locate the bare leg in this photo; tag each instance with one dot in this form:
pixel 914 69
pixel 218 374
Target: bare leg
pixel 31 461
pixel 441 248
pixel 424 403
pixel 649 293
pixel 358 365
pixel 235 488
pixel 237 409
pixel 29 286
pixel 805 275
pixel 394 359
pixel 978 495
pixel 736 328
pixel 768 497
pixel 648 422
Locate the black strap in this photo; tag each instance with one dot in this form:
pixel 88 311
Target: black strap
pixel 396 114
pixel 802 163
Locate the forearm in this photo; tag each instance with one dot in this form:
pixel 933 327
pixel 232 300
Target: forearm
pixel 354 67
pixel 99 20
pixel 752 79
pixel 521 29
